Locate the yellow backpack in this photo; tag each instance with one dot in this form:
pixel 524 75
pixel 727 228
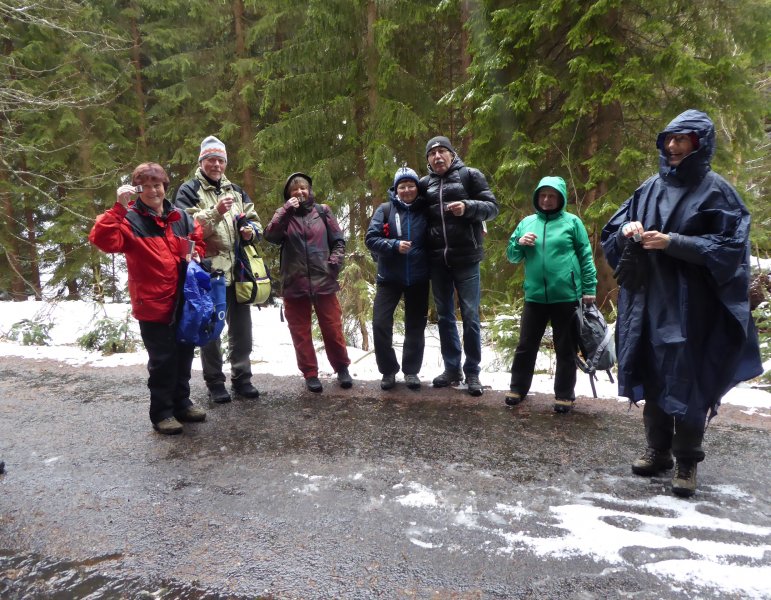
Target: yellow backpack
pixel 250 275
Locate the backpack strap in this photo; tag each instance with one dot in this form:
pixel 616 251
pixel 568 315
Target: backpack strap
pixel 386 211
pixel 465 179
pixel 601 348
pixel 323 211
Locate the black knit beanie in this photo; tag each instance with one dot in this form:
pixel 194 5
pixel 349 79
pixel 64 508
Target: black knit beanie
pixel 439 140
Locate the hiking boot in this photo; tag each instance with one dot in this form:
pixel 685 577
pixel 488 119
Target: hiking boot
pixel 344 378
pixel 652 462
pixel 474 385
pixel 448 378
pixel 388 382
pixel 218 394
pixel 513 398
pixel 168 426
pixel 246 390
pixel 412 381
pixel 192 414
pixel 313 384
pixel 563 405
pixel 684 480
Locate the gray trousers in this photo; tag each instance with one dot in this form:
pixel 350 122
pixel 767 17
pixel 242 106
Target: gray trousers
pixel 239 320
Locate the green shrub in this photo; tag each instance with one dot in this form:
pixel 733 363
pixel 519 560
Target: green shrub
pixel 110 336
pixel 30 333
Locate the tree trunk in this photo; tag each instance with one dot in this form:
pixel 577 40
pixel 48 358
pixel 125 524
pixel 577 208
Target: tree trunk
pixel 10 248
pixel 604 132
pixel 465 63
pixel 33 264
pixel 243 113
pixel 139 92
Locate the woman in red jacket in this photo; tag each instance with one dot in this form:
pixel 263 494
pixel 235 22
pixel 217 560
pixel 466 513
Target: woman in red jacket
pixel 155 238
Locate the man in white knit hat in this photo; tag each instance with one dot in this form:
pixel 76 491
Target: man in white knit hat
pixel 218 205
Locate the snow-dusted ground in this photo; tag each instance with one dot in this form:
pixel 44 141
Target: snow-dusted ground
pixel 592 523
pixel 274 353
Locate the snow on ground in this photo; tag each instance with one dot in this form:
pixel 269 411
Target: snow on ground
pixel 590 524
pixel 274 353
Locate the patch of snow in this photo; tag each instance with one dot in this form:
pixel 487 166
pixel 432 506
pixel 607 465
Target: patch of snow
pixel 273 351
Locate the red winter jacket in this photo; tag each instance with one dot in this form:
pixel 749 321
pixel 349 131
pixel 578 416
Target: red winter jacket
pixel 154 246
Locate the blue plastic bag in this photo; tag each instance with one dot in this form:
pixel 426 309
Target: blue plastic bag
pixel 202 316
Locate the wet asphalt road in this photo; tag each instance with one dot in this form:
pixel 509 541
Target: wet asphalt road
pixel 351 494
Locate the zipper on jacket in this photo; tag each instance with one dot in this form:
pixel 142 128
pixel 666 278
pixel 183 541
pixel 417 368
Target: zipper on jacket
pixel 444 225
pixel 306 227
pixel 543 262
pixel 409 239
pixel 473 236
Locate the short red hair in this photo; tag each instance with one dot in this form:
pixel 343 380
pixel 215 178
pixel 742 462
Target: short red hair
pixel 150 171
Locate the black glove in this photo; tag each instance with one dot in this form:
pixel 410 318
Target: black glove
pixel 632 269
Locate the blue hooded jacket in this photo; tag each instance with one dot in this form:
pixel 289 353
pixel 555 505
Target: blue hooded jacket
pixel 392 266
pixel 688 332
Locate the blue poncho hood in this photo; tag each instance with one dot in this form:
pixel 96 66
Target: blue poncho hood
pixel 697 164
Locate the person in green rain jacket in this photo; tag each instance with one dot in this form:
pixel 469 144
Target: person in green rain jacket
pixel 559 273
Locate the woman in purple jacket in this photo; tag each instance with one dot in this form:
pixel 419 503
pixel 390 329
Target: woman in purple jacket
pixel 312 251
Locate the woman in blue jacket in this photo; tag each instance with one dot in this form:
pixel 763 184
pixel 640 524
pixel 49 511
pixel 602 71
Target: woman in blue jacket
pixel 397 237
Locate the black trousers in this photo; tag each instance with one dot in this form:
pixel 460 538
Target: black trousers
pixel 169 367
pixel 535 317
pixel 664 432
pixel 387 298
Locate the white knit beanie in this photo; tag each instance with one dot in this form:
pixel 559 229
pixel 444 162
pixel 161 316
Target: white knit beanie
pixel 211 146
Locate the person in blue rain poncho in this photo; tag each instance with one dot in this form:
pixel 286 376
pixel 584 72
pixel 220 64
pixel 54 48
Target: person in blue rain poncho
pixel 685 335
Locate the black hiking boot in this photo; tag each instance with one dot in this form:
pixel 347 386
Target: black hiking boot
pixel 218 394
pixel 313 384
pixel 344 378
pixel 412 381
pixel 246 390
pixel 474 385
pixel 448 378
pixel 388 382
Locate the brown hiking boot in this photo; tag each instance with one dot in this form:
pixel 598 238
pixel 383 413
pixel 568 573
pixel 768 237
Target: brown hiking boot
pixel 168 426
pixel 563 405
pixel 192 414
pixel 652 462
pixel 513 398
pixel 684 480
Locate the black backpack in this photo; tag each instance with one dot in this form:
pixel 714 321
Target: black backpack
pixel 596 349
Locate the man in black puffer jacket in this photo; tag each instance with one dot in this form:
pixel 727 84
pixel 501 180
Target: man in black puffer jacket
pixel 459 202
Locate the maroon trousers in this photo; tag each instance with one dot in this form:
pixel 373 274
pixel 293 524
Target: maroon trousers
pixel 330 316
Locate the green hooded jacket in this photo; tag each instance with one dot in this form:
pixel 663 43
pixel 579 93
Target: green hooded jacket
pixel 559 268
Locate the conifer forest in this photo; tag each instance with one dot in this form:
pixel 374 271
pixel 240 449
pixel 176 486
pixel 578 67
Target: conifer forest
pixel 348 91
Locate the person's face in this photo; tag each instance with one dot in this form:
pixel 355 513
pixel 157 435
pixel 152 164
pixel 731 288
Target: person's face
pixel 407 190
pixel 152 195
pixel 214 167
pixel 300 190
pixel 440 159
pixel 548 198
pixel 677 146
